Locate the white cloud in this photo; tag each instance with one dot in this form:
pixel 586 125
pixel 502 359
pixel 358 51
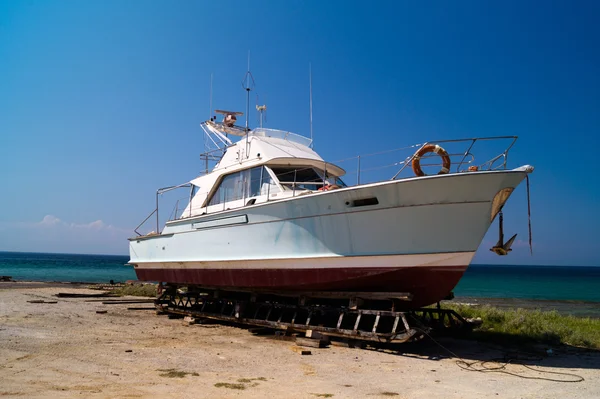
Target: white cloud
pixel 97 225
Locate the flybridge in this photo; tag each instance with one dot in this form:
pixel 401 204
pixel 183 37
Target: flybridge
pixel 220 135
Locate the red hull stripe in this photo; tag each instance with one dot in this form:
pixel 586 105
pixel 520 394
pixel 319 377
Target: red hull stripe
pixel 427 284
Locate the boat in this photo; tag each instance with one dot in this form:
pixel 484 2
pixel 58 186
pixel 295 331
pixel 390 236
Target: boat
pixel 272 216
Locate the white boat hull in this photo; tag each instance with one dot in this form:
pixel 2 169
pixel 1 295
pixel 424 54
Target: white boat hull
pixel 419 238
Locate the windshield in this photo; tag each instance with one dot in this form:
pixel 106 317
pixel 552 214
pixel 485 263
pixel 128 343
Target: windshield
pixel 304 178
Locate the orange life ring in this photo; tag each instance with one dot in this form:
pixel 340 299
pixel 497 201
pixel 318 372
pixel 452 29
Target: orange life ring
pixel 416 163
pixel 329 187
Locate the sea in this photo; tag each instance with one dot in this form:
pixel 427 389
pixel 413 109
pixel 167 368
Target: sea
pixel 568 289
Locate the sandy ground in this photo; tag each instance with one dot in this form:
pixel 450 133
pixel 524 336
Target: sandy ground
pixel 67 350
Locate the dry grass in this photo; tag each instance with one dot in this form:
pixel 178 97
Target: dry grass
pixel 243 383
pixel 249 380
pixel 145 290
pixel 174 373
pixel 230 386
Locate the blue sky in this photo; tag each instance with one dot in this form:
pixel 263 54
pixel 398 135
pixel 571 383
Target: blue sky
pixel 100 102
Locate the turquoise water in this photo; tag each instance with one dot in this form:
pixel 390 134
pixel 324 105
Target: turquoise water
pixel 557 283
pixel 65 267
pixel 561 283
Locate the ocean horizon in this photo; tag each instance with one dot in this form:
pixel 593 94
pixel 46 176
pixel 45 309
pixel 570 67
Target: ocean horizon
pixel 127 256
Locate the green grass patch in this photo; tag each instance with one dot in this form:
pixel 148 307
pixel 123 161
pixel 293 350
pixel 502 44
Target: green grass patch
pixel 174 373
pixel 547 327
pixel 230 386
pixel 145 290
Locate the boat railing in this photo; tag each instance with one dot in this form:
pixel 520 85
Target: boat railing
pixel 155 212
pixel 281 134
pixel 478 153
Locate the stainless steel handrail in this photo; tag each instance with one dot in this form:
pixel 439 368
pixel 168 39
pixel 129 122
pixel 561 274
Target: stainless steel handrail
pixel 473 140
pixel 159 192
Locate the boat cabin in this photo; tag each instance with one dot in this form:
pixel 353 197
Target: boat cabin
pixel 264 165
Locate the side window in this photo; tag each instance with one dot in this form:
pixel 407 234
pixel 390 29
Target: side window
pixel 339 182
pixel 268 185
pixel 256 175
pixel 229 190
pixel 302 177
pixel 244 184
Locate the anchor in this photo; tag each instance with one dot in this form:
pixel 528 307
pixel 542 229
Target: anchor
pixel 502 248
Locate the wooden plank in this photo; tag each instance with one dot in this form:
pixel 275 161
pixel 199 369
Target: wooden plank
pixel 73 295
pixel 300 351
pixel 313 343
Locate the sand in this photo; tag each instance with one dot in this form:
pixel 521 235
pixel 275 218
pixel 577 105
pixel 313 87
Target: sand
pixel 67 350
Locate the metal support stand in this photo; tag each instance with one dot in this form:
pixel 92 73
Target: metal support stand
pixel 351 321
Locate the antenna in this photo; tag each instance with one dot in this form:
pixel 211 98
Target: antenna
pixel 248 85
pixel 310 103
pixel 210 101
pixel 206 144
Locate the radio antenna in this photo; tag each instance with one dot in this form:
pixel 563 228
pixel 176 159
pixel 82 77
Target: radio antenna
pixel 248 85
pixel 206 138
pixel 310 103
pixel 210 101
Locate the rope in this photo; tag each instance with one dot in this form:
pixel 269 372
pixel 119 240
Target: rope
pixel 502 368
pixel 529 214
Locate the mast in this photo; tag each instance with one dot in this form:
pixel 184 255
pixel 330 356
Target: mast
pixel 210 100
pixel 248 85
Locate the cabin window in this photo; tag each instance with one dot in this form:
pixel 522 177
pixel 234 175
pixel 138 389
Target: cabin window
pixel 255 181
pixel 243 184
pixel 307 178
pixel 304 178
pixel 193 191
pixel 337 181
